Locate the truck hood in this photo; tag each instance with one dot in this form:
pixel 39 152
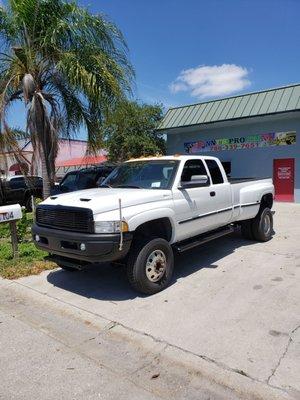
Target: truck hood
pixel 102 200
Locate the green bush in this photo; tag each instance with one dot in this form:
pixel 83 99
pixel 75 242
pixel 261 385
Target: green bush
pixel 5 251
pixel 30 260
pixel 26 250
pixel 4 231
pixel 23 228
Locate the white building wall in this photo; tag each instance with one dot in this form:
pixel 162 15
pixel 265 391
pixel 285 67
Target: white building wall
pixel 257 162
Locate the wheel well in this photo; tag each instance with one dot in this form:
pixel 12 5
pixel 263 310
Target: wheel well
pixel 266 201
pixel 160 227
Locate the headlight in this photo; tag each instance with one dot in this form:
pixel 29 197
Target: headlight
pixel 110 227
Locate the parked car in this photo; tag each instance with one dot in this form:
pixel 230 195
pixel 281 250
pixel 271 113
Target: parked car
pixel 148 208
pixel 19 189
pixel 86 178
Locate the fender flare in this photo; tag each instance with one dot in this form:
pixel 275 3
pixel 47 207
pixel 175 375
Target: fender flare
pixel 151 215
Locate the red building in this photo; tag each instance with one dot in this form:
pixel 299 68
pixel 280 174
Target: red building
pixel 72 155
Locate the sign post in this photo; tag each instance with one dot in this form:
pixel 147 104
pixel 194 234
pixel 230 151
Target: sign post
pixel 10 214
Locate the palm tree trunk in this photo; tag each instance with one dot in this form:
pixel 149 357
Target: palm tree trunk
pixel 46 180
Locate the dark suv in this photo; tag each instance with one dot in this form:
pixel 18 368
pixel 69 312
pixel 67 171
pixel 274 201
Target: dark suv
pixel 86 178
pixel 19 189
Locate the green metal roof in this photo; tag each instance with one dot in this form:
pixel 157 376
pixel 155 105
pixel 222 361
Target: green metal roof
pixel 271 101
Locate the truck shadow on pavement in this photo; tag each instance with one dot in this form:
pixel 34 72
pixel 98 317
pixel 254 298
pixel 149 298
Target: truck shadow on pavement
pixel 109 281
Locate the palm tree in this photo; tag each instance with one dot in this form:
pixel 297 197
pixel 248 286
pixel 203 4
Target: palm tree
pixel 68 66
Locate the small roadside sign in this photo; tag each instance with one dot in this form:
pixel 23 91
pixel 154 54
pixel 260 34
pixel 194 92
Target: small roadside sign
pixel 10 214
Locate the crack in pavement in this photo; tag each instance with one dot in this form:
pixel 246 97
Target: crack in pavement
pixel 151 361
pixel 282 356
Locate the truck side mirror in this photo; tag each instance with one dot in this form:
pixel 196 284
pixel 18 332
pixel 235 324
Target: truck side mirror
pixel 196 181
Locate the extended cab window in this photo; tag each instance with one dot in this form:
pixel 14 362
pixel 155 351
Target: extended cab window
pixel 191 168
pixel 215 172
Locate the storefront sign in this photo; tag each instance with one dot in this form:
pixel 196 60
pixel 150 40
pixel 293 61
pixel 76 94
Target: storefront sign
pixel 242 142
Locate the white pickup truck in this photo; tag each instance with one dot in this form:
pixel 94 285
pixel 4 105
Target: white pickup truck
pixel 148 208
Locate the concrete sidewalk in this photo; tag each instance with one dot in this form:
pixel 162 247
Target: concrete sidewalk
pixel 232 312
pixel 50 350
pixel 36 366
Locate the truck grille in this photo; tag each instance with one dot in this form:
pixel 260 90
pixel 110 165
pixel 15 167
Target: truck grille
pixel 65 218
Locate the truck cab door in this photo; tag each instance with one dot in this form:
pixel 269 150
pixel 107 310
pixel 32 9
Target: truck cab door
pixel 220 192
pixel 194 205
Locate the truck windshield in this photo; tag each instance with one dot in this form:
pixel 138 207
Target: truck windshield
pixel 150 174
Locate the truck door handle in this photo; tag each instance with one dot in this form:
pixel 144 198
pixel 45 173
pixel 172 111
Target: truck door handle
pixel 212 194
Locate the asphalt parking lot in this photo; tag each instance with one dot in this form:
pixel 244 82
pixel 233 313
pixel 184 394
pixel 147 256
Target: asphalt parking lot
pixel 233 303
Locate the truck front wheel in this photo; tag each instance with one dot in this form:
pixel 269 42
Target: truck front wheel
pixel 150 265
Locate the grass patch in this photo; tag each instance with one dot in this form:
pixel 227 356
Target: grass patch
pixel 4 231
pixel 30 261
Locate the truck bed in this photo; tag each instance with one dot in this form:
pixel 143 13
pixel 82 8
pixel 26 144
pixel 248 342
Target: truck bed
pixel 242 180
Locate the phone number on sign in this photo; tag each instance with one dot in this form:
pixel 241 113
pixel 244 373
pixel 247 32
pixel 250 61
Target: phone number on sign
pixel 236 146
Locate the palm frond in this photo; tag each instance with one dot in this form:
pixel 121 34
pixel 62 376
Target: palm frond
pixel 69 66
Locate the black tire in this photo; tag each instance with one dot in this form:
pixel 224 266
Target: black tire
pixel 262 225
pixel 160 268
pixel 246 229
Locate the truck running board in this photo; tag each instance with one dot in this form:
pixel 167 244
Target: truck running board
pixel 204 238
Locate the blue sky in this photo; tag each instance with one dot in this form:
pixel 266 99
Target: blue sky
pixel 189 51
pixel 257 40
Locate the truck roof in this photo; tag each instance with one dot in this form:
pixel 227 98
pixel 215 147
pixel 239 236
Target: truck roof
pixel 172 157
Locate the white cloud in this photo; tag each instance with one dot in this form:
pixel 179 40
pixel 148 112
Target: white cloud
pixel 211 80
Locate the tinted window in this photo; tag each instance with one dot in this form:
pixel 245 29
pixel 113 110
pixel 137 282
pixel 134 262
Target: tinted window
pixel 191 168
pixel 83 179
pixel 68 183
pixel 34 181
pixel 86 180
pixel 21 179
pixel 102 174
pixel 215 171
pixel 17 183
pixel 106 172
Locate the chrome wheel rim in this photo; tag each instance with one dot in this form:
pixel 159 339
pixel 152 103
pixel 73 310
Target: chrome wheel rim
pixel 267 224
pixel 156 265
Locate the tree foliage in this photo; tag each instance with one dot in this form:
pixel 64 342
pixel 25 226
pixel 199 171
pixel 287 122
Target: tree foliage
pixel 70 67
pixel 129 131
